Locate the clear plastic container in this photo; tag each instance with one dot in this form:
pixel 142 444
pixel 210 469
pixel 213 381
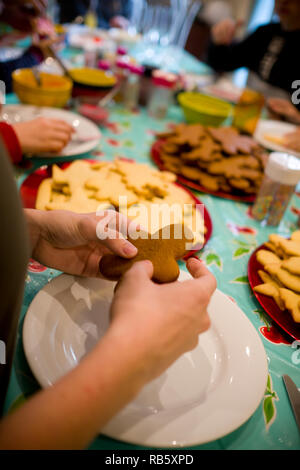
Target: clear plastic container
pixel 112 57
pixel 161 96
pixel 132 86
pixel 121 71
pixel 282 175
pixel 90 56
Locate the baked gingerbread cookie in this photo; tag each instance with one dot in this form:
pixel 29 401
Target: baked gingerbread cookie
pixel 228 160
pixel 207 151
pixel 189 134
pixel 270 287
pixel 281 272
pixel 162 248
pixel 231 140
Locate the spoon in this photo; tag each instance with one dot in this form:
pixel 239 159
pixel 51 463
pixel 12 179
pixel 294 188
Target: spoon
pixel 58 59
pixel 37 76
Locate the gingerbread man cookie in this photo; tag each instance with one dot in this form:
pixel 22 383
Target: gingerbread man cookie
pixel 207 151
pixel 162 248
pixel 231 141
pixel 190 134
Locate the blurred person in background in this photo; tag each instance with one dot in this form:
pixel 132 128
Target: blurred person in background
pixel 20 19
pixel 270 53
pixel 110 14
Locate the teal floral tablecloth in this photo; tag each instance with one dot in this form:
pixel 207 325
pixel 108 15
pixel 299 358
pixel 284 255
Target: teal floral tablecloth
pixel 235 236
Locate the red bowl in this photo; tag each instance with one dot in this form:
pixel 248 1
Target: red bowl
pixel 30 185
pixel 155 156
pixel 283 318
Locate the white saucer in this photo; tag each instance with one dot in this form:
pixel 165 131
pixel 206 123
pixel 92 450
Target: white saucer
pixel 86 137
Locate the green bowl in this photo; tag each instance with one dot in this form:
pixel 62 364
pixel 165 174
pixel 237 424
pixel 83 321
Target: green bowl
pixel 204 109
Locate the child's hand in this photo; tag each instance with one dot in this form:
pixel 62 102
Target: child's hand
pixel 43 135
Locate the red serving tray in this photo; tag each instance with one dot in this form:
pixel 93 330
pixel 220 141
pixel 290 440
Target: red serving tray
pixel 155 156
pixel 282 318
pixel 30 185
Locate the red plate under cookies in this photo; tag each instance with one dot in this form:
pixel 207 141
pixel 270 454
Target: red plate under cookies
pixel 282 318
pixel 155 156
pixel 30 185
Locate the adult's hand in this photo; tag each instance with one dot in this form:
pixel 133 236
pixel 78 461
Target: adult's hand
pixel 292 140
pixel 284 109
pixel 162 321
pixel 151 327
pixel 74 243
pixel 224 31
pixel 119 22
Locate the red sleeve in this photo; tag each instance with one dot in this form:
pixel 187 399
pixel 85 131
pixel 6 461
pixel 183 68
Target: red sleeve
pixel 11 142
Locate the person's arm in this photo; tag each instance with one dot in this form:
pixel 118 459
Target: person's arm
pixel 35 136
pixel 226 56
pixel 283 109
pixel 122 18
pixel 43 135
pixel 148 332
pixel 74 243
pixel 22 14
pixel 71 413
pixel 11 142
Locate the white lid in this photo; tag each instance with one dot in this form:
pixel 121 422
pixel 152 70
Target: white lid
pixel 283 168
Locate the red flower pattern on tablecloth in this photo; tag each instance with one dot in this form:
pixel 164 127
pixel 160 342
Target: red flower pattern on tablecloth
pixel 272 334
pixel 295 210
pixel 237 229
pixel 249 212
pixel 35 266
pixel 151 132
pixel 113 142
pixel 113 127
pixel 97 153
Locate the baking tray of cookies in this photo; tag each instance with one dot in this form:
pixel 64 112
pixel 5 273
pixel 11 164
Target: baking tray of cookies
pixel 218 161
pixel 281 317
pixel 30 188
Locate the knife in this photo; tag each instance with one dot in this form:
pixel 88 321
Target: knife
pixel 294 396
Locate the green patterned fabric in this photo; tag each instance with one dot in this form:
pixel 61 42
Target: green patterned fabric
pixel 235 236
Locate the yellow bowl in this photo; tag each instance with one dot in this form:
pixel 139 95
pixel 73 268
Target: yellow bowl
pixel 55 90
pixel 204 109
pixel 91 85
pixel 88 77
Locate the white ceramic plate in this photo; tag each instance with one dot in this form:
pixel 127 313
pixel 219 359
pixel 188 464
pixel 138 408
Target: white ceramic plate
pixel 86 137
pixel 126 38
pixel 276 129
pixel 204 395
pixel 83 37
